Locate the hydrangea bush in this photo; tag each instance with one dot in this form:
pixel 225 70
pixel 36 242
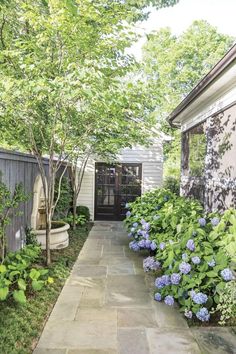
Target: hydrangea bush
pixel 194 250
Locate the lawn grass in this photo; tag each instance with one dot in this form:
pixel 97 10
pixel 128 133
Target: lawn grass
pixel 21 325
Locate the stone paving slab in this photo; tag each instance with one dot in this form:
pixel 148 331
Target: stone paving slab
pixel 107 307
pixel 132 341
pixel 174 341
pixel 216 340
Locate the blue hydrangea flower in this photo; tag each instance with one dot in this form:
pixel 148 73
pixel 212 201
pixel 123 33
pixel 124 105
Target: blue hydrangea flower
pixel 135 224
pixel 143 233
pixel 150 263
pixel 130 234
pixel 166 198
pixel 157 297
pixel 190 245
pixel 215 221
pixel 132 229
pixel 148 243
pixel 184 256
pixel 203 314
pixel 126 206
pixel 146 226
pixel 226 274
pixel 141 243
pixel 133 245
pixel 196 260
pixel 128 214
pixel 169 300
pixel 143 221
pixel 200 298
pixel 166 280
pixel 192 293
pixel 153 246
pixel 202 222
pixel 185 267
pixel 162 246
pixel 140 232
pixel 159 283
pixel 188 313
pixel 175 278
pixel 211 263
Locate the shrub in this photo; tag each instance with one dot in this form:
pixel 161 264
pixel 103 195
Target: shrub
pixel 83 210
pixel 80 220
pixel 227 304
pixel 66 195
pixel 194 250
pixel 17 275
pixel 9 204
pixel 31 238
pixel 173 184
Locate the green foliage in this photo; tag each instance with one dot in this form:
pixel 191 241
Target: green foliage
pixel 65 200
pixel 83 210
pixel 227 304
pixel 31 238
pixel 173 222
pixel 17 277
pixel 79 220
pixel 24 324
pixel 173 184
pixel 8 208
pixel 172 73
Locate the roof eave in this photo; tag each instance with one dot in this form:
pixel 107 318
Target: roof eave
pixel 218 69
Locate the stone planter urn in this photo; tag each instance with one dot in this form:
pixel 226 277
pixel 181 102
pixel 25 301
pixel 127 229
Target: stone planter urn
pixel 59 237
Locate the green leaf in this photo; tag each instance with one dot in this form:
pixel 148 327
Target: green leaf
pixel 34 274
pixel 212 274
pixel 21 284
pixel 3 268
pixel 19 296
pixel 3 293
pixel 37 285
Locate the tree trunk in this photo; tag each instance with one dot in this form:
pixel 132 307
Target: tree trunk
pixel 48 234
pixel 74 210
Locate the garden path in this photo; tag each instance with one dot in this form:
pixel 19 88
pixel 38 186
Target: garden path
pixel 107 306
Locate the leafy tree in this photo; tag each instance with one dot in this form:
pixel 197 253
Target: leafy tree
pixel 62 64
pixel 173 66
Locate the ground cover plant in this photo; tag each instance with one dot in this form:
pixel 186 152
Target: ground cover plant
pixel 195 252
pixel 21 324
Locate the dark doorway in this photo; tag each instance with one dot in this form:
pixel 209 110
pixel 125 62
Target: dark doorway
pixel 115 185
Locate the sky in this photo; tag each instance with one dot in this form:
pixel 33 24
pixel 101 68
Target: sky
pixel 219 13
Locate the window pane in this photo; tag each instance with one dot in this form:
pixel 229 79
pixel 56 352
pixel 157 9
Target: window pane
pixel 197 151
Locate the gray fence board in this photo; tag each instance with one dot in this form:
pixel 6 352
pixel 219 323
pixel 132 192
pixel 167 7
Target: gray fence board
pixel 22 168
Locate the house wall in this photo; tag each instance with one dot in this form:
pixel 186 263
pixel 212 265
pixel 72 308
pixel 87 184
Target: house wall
pixel 216 188
pixel 220 171
pixel 151 159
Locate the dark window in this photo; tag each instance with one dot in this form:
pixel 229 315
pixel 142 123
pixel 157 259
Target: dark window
pixel 194 151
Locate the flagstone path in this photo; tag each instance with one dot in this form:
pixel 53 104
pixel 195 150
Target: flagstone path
pixel 107 307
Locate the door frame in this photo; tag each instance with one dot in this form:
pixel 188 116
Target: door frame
pixel 117 206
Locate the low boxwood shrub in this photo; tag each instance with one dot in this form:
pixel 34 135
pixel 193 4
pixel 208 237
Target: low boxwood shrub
pixel 18 275
pixel 194 250
pixel 82 210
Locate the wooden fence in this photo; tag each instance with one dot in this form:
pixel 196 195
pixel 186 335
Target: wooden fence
pixel 18 167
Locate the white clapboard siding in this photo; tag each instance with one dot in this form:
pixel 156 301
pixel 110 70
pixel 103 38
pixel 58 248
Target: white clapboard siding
pixel 86 195
pixel 151 159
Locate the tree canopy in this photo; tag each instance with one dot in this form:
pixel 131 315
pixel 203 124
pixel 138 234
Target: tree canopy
pixel 173 66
